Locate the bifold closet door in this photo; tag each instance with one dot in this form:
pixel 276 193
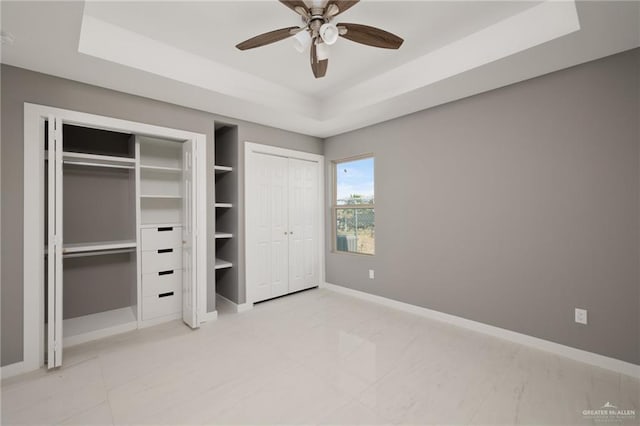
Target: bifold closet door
pixel 303 224
pixel 270 219
pixel 189 288
pixel 54 243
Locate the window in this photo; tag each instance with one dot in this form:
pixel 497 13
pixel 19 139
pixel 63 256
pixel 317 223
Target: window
pixel 353 206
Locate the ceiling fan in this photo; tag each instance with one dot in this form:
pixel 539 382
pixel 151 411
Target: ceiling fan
pixel 318 32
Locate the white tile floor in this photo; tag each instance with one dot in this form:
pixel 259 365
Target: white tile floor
pixel 313 358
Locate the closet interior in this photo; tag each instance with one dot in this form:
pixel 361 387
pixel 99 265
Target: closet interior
pixel 99 225
pixel 226 211
pixel 115 205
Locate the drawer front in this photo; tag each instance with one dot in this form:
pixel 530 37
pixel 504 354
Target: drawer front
pixel 161 304
pixel 161 282
pixel 161 237
pixel 161 260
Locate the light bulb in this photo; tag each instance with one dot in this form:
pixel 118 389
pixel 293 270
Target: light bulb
pixel 322 51
pixel 329 33
pixel 302 40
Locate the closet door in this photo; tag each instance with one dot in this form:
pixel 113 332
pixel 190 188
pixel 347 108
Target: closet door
pixel 270 224
pixel 303 224
pixel 189 287
pixel 54 244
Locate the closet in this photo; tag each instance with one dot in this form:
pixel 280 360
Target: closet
pixel 283 216
pixel 121 247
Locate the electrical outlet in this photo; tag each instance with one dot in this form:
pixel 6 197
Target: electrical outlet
pixel 581 316
pixel 372 274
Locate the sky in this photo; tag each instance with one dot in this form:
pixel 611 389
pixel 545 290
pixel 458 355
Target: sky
pixel 355 177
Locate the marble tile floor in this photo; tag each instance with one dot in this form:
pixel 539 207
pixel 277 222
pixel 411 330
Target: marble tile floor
pixel 316 357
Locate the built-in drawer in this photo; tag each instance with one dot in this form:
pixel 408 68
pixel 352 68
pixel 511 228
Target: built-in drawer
pixel 161 282
pixel 162 304
pixel 161 260
pixel 161 237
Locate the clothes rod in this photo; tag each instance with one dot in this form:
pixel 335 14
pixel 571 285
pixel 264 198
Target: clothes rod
pixel 98 252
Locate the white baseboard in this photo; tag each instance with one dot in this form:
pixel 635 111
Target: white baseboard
pixel 238 308
pixel 556 348
pixel 161 320
pixel 12 370
pixel 209 316
pixel 244 307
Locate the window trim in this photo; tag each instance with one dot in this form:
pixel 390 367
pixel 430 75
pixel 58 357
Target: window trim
pixel 334 201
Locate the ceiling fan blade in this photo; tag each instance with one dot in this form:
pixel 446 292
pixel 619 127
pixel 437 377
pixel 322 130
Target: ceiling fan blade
pixel 266 38
pixel 319 68
pixel 293 4
pixel 370 36
pixel 343 6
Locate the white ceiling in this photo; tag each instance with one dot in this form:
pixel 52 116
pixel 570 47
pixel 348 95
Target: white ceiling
pixel 183 52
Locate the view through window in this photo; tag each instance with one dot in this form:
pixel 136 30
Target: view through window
pixel 354 206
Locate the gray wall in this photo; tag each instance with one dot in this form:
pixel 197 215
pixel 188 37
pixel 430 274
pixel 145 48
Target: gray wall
pixel 19 86
pixel 512 207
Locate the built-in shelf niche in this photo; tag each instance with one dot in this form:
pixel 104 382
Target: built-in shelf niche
pixel 225 176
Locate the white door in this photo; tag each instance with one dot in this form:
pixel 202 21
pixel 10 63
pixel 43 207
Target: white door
pixel 268 215
pixel 54 244
pixel 189 235
pixel 303 224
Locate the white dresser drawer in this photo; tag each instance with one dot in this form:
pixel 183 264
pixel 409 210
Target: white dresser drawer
pixel 161 282
pixel 161 237
pixel 162 304
pixel 161 260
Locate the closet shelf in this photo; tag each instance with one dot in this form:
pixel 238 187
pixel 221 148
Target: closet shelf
pixel 224 205
pixel 94 160
pixel 222 264
pixel 161 168
pixel 222 169
pixel 223 235
pixel 89 327
pixel 101 246
pixel 168 196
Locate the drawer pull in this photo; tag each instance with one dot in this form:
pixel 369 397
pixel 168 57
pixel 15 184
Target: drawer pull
pixel 165 228
pixel 165 251
pixel 166 272
pixel 170 293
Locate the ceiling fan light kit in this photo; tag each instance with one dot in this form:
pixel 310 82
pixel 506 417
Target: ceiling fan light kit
pixel 329 33
pixel 302 41
pixel 322 51
pixel 318 32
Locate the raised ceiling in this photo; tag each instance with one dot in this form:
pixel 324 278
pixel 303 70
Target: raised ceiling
pixel 172 51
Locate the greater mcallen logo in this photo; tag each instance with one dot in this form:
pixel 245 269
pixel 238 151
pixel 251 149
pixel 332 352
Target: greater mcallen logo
pixel 609 413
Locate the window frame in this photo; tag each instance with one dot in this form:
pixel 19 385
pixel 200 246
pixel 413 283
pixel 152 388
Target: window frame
pixel 335 207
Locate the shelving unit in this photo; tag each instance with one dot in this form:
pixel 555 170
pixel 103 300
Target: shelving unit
pixel 225 213
pixel 160 181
